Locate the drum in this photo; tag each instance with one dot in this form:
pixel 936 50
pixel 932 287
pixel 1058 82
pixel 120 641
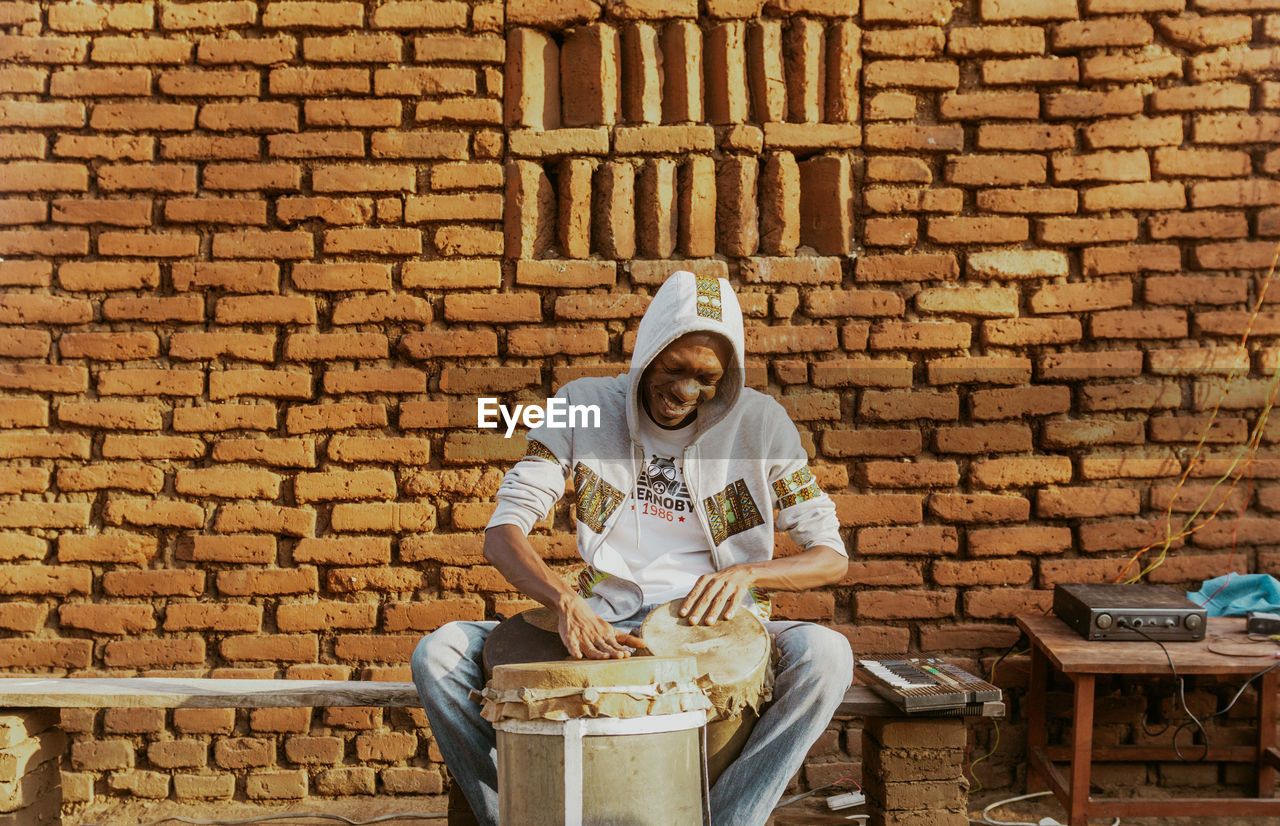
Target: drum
pixel 599 742
pixel 734 661
pixel 528 637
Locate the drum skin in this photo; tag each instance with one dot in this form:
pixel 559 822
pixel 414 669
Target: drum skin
pixel 735 654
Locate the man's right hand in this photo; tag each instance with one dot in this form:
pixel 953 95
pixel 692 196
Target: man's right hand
pixel 585 634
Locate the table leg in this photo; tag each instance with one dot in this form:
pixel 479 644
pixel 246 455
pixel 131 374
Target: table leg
pixel 1266 733
pixel 1037 730
pixel 1081 749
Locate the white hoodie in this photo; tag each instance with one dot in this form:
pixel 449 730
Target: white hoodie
pixel 744 460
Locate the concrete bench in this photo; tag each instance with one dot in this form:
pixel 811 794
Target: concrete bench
pixel 912 766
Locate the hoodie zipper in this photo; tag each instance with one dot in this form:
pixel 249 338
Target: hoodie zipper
pixel 695 500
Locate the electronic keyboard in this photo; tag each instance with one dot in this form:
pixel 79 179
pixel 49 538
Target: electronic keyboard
pixel 926 684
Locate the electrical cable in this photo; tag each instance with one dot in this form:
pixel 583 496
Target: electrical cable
pixel 1239 692
pixel 1254 640
pixel 296 815
pixel 811 792
pixel 988 821
pixel 1252 445
pixel 995 724
pixel 1182 698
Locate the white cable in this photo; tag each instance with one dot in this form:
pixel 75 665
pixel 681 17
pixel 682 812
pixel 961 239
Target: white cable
pixel 987 819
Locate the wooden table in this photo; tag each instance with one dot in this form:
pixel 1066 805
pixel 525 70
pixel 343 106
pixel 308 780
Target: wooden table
pixel 1081 660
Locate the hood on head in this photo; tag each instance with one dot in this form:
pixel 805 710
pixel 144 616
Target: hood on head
pixel 686 303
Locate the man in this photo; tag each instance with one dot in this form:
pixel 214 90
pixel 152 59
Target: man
pixel 675 494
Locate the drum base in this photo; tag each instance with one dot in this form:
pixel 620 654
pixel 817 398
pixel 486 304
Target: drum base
pixel 626 781
pixel 725 739
pixel 640 771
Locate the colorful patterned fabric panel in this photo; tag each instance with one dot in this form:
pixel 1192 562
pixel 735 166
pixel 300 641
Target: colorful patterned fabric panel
pixel 796 488
pixel 537 450
pixel 709 298
pixel 596 498
pixel 731 511
pixel 588 579
pixel 761 605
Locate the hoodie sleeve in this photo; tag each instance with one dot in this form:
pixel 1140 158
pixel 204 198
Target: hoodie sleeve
pixel 804 509
pixel 533 486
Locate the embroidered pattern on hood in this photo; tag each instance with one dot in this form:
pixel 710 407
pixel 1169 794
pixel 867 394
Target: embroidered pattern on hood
pixel 709 298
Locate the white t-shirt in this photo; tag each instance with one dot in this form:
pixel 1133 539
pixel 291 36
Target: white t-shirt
pixel 659 535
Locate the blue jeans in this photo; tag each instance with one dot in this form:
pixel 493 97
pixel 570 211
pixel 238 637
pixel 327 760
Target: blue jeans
pixel 815 668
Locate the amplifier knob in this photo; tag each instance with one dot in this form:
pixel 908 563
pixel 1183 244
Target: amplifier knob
pixel 1103 621
pixel 1193 621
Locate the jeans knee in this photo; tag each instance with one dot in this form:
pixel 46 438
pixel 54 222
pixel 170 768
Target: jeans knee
pixel 440 652
pixel 418 660
pixel 822 653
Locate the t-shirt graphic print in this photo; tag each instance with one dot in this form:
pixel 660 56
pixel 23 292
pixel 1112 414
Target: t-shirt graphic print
pixel 658 533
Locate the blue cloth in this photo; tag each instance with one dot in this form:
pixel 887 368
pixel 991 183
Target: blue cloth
pixel 1235 595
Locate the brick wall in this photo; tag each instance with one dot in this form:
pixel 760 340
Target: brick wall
pixel 261 257
pixel 30 748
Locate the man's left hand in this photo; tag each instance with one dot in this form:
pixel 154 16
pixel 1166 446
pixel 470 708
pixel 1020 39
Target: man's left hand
pixel 716 596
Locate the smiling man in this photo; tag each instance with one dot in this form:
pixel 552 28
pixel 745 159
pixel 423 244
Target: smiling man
pixel 675 498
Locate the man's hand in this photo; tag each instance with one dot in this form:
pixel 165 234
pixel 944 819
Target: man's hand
pixel 586 635
pixel 716 596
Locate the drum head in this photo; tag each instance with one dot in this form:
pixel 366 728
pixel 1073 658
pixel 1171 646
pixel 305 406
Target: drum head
pixel 730 651
pixel 525 638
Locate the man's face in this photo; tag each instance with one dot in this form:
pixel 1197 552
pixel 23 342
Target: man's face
pixel 684 376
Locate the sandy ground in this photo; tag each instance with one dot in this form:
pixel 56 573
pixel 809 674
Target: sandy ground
pixel 809 812
pixel 137 812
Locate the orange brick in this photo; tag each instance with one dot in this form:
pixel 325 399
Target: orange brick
pixel 1207 163
pixel 899 138
pixel 1132 258
pixel 1046 70
pixel 1092 34
pixel 893 335
pixel 1136 131
pixel 196 616
pixel 1194 290
pixel 353 48
pixel 108 619
pixel 903 604
pixel 928 540
pixel 900 406
pixel 979 507
pixel 1144 67
pixel 1086 230
pixel 1021 472
pixel 1090 105
pixel 1154 195
pixel 1026 137
pixel 1202 97
pixel 268 582
pixel 920 474
pixel 1079 366
pixel 319 616
pixel 984 572
pixel 995 40
pixel 1142 324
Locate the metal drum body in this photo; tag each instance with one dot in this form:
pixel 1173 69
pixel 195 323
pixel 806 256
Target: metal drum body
pixel 600 742
pixel 735 655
